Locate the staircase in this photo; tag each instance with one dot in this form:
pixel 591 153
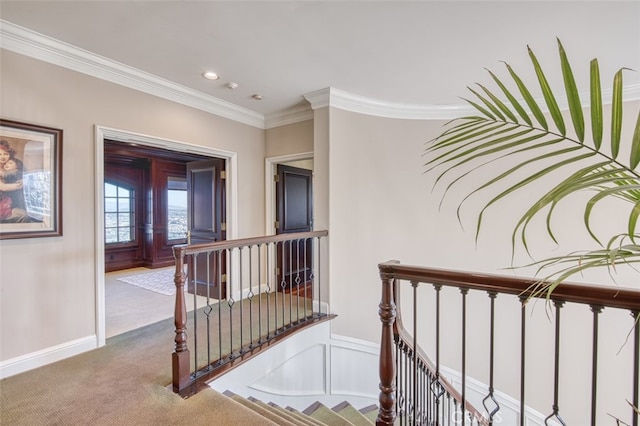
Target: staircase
pixel 317 414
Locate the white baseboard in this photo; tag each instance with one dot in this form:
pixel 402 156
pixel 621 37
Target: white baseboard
pixel 46 356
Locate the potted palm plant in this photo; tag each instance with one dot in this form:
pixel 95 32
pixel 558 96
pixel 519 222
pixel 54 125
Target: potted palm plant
pixel 510 124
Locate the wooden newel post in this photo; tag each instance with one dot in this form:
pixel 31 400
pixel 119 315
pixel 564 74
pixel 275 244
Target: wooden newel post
pixel 387 312
pixel 180 357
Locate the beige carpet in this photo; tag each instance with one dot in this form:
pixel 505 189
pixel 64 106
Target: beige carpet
pixel 129 307
pixel 126 382
pixel 123 383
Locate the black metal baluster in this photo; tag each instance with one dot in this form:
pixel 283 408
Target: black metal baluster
pixel 306 279
pixel 437 389
pixel 241 301
pixel 596 309
pixel 490 396
pixel 250 296
pixel 414 395
pixel 275 278
pixel 405 382
pixel 523 339
pixel 283 284
pixel 290 282
pixel 464 292
pixel 268 289
pixel 319 280
pixel 297 280
pixel 422 409
pixel 207 310
pixel 428 399
pixel 636 364
pixel 195 313
pixel 220 310
pixel 400 375
pixel 260 293
pixel 397 377
pixel 556 370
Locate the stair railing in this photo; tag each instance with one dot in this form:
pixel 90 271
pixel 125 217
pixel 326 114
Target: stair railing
pixel 413 389
pixel 247 294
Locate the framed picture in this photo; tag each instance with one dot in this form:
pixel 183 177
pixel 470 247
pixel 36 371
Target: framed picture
pixel 30 180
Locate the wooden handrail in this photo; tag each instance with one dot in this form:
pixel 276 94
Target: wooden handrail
pixel 614 297
pixel 184 378
pixel 184 249
pixel 393 330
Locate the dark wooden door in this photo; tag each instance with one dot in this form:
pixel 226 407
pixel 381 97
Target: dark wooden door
pixel 294 213
pixel 206 224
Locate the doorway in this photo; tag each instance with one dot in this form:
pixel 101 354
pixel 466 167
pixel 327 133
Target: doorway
pixel 294 214
pixel 303 160
pixel 300 161
pixel 103 134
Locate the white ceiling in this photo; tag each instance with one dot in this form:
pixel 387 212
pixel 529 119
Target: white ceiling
pixel 396 52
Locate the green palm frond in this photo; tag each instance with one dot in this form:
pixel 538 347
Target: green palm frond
pixel 615 253
pixel 549 151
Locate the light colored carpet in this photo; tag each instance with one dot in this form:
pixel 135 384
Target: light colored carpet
pixel 129 307
pixel 122 383
pixel 160 281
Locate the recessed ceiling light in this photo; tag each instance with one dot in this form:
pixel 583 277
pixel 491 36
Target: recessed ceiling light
pixel 210 75
pixel 257 97
pixel 232 85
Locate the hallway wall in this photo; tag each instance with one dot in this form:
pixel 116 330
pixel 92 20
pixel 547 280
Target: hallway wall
pixel 47 308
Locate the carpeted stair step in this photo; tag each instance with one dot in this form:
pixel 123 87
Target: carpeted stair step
pixel 267 412
pixel 370 412
pixel 295 416
pixel 291 417
pixel 326 415
pixel 350 413
pixel 317 414
pixel 311 419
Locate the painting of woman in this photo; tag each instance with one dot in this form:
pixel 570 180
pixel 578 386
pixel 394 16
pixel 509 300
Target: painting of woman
pixel 12 205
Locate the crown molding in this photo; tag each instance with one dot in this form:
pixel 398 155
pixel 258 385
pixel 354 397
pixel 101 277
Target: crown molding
pixel 340 99
pixel 289 116
pixel 29 43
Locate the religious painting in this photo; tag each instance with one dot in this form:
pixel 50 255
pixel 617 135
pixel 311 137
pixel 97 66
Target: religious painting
pixel 30 180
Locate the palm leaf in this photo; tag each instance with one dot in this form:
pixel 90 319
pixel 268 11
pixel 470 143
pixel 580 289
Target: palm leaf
pixel 512 100
pixel 533 106
pixel 504 130
pixel 635 145
pixel 554 110
pixel 575 107
pixel 596 105
pixel 616 114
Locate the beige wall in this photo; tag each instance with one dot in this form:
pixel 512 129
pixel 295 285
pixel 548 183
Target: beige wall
pixel 289 139
pixel 48 284
pixel 369 191
pixel 382 207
